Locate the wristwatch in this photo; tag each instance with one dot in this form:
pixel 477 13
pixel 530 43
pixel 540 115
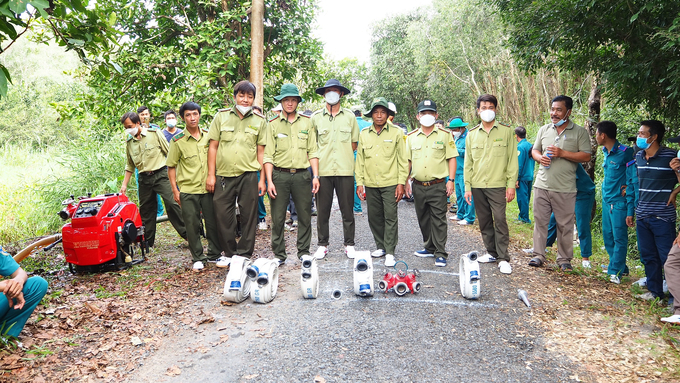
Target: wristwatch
pixel 315 177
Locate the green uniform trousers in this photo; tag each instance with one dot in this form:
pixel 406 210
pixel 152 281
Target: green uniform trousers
pixel 344 188
pixel 382 217
pixel 149 186
pixel 192 206
pixel 490 207
pixel 298 186
pixel 227 189
pixel 430 203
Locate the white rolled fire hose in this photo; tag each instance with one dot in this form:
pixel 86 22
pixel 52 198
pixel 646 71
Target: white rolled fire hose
pixel 309 277
pixel 264 277
pixel 363 274
pixel 237 284
pixel 469 275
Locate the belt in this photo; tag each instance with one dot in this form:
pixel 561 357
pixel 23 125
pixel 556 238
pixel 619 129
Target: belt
pixel 291 171
pixel 428 183
pixel 153 171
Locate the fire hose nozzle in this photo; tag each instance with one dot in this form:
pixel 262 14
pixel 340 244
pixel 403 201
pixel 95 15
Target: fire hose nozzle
pixel 262 279
pixel 362 265
pixel 401 289
pixel 252 271
pixel 473 255
pixel 336 294
pixel 382 286
pixel 417 286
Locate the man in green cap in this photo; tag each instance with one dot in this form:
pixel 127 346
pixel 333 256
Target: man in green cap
pixel 291 148
pixel 338 134
pixel 146 150
pixel 382 168
pixel 465 215
pixel 432 158
pixel 188 171
pixel 237 139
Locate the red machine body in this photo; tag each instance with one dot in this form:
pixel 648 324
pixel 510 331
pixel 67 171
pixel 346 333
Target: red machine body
pixel 402 282
pixel 102 229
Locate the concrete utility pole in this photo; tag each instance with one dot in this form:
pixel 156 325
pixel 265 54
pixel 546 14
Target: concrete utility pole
pixel 257 49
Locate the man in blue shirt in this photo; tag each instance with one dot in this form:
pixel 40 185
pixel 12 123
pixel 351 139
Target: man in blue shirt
pixel 466 213
pixel 526 173
pixel 20 295
pixel 618 198
pixel 362 124
pixel 655 218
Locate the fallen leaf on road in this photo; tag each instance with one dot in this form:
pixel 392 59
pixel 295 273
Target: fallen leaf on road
pixel 253 376
pixel 319 379
pixel 173 371
pixel 136 341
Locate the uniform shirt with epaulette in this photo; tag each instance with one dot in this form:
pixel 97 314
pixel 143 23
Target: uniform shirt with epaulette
pixel 618 183
pixel 190 157
pixel 335 137
pixel 290 145
pixel 381 158
pixel 147 153
pixel 238 140
pixel 491 158
pixel 429 153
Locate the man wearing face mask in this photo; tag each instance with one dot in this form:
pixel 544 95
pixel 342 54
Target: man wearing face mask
pixel 237 139
pixel 146 151
pixel 490 174
pixel 465 215
pixel 338 134
pixel 171 129
pixel 381 172
pixel 560 146
pixel 432 158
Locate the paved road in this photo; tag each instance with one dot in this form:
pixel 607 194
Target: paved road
pixel 433 336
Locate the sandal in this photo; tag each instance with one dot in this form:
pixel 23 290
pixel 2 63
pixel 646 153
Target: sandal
pixel 536 262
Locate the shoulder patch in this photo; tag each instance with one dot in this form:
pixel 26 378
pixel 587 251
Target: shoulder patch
pixel 177 137
pixel 476 127
pixel 631 162
pixel 272 120
pixel 503 123
pixel 255 112
pixel 413 132
pixel 224 110
pixel 445 130
pixel 623 147
pixel 128 138
pixel 304 115
pixel 153 128
pixel 204 130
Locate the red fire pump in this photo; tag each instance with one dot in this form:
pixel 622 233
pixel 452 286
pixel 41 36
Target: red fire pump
pixel 104 231
pixel 401 281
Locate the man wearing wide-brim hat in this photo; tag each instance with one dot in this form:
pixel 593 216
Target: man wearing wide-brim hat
pixel 465 215
pixel 291 148
pixel 338 134
pixel 382 169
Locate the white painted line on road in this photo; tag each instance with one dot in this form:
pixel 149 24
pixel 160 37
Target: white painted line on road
pixel 354 298
pixel 350 270
pixel 438 272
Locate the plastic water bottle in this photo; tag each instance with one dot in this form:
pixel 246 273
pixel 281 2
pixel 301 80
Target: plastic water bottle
pixel 547 154
pixel 521 294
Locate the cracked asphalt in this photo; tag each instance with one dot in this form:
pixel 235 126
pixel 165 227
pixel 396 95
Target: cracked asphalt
pixel 433 336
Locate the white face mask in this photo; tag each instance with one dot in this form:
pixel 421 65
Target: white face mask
pixel 457 134
pixel 171 123
pixel 132 131
pixel 427 120
pixel 332 98
pixel 487 115
pixel 244 109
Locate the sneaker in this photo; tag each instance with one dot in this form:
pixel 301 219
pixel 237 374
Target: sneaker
pixel 463 222
pixel 486 258
pixel 281 262
pixel 423 254
pixel 349 250
pixel 440 262
pixel 288 227
pixel 321 252
pixel 198 265
pixel 642 282
pixel 505 267
pixel 586 264
pixel 648 296
pixel 528 251
pixel 358 213
pixel 615 279
pixel 289 221
pixel 454 218
pixel 262 225
pixel 675 319
pixel 453 209
pixel 378 253
pixel 389 260
pixel 223 261
pixel 294 224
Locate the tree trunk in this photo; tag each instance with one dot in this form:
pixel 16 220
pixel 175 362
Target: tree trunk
pixel 593 119
pixel 257 50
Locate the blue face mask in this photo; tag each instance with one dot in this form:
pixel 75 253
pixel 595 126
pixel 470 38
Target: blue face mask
pixel 642 143
pixel 560 122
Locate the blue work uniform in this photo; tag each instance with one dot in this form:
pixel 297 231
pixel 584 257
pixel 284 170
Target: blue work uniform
pixel 12 321
pixel 524 179
pixel 465 211
pixel 585 198
pixel 618 202
pixel 357 201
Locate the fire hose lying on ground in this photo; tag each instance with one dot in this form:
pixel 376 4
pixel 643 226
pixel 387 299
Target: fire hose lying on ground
pixel 309 277
pixel 264 279
pixel 237 284
pixel 468 274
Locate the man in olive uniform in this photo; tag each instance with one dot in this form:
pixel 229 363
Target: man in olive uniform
pixel 490 175
pixel 338 134
pixel 382 169
pixel 146 150
pixel 432 156
pixel 188 171
pixel 237 139
pixel 291 148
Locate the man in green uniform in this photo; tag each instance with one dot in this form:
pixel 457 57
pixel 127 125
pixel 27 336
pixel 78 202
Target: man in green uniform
pixel 188 171
pixel 432 153
pixel 146 150
pixel 490 175
pixel 237 139
pixel 338 134
pixel 382 168
pixel 291 148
